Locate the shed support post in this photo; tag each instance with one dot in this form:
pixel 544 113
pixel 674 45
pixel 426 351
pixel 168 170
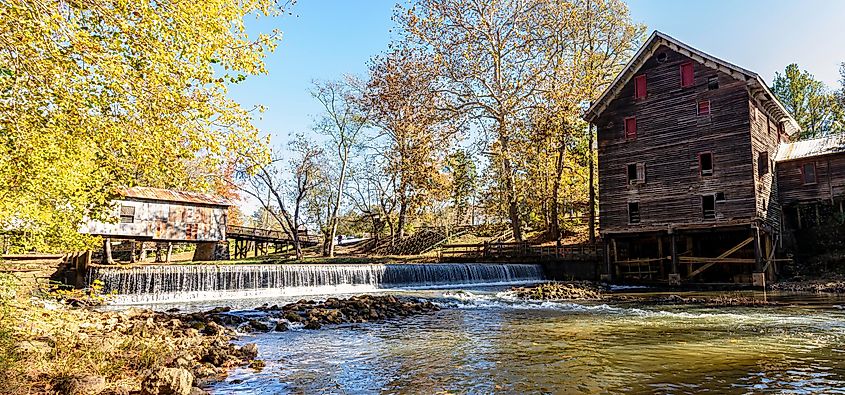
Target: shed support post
pixel 143 255
pixel 107 259
pixel 169 252
pixel 132 253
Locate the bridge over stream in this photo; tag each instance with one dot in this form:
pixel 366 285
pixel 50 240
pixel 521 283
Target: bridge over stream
pixel 261 240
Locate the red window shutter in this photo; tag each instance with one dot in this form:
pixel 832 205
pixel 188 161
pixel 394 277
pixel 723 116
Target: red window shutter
pixel 631 127
pixel 687 75
pixel 704 107
pixel 640 87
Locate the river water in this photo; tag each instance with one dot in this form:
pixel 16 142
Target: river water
pixel 485 342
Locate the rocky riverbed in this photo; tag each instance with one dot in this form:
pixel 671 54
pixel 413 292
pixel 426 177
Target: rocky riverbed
pixel 834 286
pixel 585 290
pixel 80 351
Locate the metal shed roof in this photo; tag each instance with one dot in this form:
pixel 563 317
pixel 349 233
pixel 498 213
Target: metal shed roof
pixel 170 195
pixel 808 148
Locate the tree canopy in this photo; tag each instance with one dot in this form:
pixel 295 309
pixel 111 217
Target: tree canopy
pixel 813 105
pixel 99 96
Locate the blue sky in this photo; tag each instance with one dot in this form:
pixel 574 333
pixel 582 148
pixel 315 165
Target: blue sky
pixel 325 39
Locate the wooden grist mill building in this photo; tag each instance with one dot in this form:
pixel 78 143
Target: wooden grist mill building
pixel 687 185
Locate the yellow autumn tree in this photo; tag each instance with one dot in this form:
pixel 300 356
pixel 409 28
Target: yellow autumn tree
pixel 95 96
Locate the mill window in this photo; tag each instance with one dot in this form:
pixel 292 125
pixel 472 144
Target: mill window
pixel 640 87
pixel 808 173
pixel 713 83
pixel 127 214
pixel 636 173
pixel 762 163
pixel 704 107
pixel 708 206
pixel 631 128
pixel 687 75
pixel 705 164
pixel 633 212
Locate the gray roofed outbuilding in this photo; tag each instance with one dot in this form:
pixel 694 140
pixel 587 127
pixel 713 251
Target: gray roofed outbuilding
pixel 809 148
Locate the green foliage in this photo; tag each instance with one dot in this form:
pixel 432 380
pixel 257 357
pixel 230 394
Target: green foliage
pixel 809 101
pixel 94 98
pixel 9 355
pixel 464 180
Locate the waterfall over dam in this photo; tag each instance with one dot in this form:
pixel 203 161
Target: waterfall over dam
pixel 151 283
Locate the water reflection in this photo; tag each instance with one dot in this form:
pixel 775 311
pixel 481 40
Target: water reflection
pixel 486 344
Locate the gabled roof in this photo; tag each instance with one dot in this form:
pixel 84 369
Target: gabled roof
pixel 757 87
pixel 169 195
pixel 809 148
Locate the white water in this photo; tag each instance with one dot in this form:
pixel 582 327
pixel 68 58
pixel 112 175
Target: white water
pixel 154 284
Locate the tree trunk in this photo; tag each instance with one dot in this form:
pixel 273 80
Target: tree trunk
pixel 510 185
pixel 592 226
pixel 403 215
pixel 554 229
pixel 336 207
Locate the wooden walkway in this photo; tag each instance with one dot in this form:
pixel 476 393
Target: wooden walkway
pixel 260 240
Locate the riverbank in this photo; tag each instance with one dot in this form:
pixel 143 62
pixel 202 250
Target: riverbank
pixel 50 347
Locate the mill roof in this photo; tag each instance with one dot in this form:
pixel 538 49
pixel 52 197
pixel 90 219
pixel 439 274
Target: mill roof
pixel 757 87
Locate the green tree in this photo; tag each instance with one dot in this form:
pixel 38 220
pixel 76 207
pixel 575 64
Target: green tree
pixel 95 97
pixel 344 122
pixel 809 101
pixel 464 179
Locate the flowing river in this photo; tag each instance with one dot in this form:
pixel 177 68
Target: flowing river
pixel 484 341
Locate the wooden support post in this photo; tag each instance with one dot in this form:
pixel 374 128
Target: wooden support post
pixel 132 253
pixel 758 251
pixel 169 252
pixel 143 255
pixel 107 258
pixel 674 251
pixel 607 261
pixel 256 248
pixel 770 254
pixel 660 255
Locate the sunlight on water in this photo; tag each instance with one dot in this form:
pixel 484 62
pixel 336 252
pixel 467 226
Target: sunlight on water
pixel 485 342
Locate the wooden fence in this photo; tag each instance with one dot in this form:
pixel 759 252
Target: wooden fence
pixel 521 250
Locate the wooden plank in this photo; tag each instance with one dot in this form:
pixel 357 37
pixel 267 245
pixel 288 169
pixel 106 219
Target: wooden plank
pixel 724 255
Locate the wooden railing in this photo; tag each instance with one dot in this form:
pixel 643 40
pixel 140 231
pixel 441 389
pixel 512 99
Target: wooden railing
pixel 585 252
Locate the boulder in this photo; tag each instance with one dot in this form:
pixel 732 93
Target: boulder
pixel 168 381
pixel 248 352
pixel 90 384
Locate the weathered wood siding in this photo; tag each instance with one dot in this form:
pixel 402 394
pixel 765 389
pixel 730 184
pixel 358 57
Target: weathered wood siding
pixel 830 180
pixel 765 137
pixel 670 135
pixel 164 221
